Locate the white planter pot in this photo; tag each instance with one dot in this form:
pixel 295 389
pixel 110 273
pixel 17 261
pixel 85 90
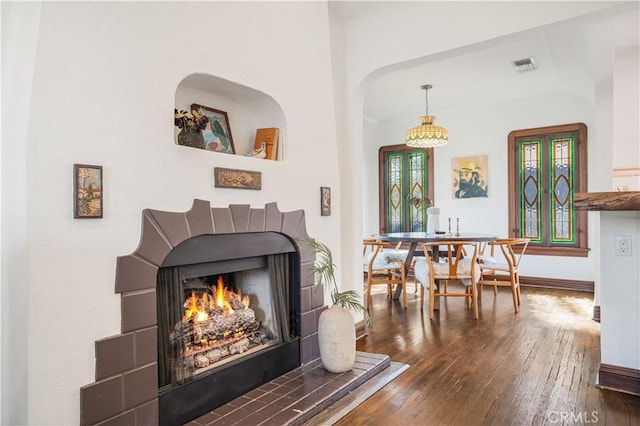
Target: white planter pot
pixel 337 339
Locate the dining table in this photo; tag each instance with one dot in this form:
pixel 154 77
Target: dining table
pixel 415 238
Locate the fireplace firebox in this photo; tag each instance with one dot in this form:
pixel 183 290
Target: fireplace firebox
pixel 228 320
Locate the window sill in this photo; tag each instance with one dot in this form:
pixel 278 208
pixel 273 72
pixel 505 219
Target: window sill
pixel 558 251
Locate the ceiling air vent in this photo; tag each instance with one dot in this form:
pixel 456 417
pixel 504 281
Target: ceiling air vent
pixel 524 65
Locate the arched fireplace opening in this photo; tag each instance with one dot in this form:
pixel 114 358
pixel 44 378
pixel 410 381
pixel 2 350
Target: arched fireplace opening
pixel 228 309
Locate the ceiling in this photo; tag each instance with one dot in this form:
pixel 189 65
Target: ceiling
pixel 569 58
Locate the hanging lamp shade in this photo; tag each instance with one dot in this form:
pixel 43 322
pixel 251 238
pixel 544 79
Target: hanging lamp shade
pixel 427 135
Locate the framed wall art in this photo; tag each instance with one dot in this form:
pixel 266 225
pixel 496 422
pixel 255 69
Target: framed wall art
pixel 239 179
pixel 469 177
pixel 325 201
pixel 87 191
pixel 217 134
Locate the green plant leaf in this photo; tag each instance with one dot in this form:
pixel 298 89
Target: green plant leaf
pixel 324 270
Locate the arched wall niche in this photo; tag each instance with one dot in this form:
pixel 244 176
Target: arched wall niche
pixel 247 109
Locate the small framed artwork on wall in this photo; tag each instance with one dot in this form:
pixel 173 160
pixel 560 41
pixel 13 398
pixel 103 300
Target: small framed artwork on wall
pixel 325 201
pixel 469 177
pixel 87 191
pixel 217 134
pixel 238 179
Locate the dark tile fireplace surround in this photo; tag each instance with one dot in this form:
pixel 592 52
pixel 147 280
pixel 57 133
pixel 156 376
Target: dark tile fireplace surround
pixel 126 386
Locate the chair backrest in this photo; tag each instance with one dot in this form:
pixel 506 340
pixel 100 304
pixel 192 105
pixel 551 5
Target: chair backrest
pixel 370 245
pixel 371 253
pixel 456 251
pixel 512 249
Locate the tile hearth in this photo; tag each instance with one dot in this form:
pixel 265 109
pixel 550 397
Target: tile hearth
pixel 296 396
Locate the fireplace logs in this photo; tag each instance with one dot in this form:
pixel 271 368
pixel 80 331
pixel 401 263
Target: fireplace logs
pixel 217 323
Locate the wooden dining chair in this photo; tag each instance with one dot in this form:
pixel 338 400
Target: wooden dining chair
pixel 500 268
pixel 381 268
pixel 459 264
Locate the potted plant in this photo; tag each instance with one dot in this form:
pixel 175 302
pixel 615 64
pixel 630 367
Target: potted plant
pixel 336 325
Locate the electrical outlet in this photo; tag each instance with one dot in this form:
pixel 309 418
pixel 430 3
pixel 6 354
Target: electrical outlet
pixel 623 245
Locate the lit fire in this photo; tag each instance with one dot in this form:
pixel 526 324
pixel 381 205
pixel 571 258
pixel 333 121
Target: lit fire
pixel 196 307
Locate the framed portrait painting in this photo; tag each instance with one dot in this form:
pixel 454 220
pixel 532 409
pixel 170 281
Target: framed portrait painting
pixel 87 191
pixel 217 134
pixel 469 177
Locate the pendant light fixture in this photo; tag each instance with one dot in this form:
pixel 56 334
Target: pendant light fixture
pixel 427 135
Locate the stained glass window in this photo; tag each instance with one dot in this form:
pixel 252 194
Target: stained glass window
pixel 395 193
pixel 406 175
pixel 561 178
pixel 549 167
pixel 530 205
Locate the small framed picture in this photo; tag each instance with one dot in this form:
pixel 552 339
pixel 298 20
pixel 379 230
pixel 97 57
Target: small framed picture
pixel 325 201
pixel 87 191
pixel 217 134
pixel 469 177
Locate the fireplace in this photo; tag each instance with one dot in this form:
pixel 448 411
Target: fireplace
pixel 254 252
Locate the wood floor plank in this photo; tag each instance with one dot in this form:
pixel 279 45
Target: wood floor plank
pixel 537 367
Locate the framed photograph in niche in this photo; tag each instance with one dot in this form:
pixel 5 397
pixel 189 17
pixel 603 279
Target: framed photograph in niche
pixel 325 201
pixel 217 134
pixel 469 177
pixel 87 191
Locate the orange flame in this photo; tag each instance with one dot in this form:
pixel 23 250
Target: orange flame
pixel 196 308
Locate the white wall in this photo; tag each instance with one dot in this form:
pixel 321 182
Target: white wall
pixel 620 275
pixel 620 304
pixel 21 22
pixel 104 86
pixel 626 148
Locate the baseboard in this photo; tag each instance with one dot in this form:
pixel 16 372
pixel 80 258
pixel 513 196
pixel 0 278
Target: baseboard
pixel 596 313
pixel 617 378
pixel 557 283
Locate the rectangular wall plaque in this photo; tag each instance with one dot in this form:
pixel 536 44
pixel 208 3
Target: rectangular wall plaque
pixel 240 179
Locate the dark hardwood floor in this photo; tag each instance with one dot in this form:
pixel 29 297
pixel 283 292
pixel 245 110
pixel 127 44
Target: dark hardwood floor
pixel 537 367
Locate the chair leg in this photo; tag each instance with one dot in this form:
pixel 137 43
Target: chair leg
pixel 514 293
pixel 474 300
pixel 467 291
pixel 421 298
pixel 404 287
pixel 432 298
